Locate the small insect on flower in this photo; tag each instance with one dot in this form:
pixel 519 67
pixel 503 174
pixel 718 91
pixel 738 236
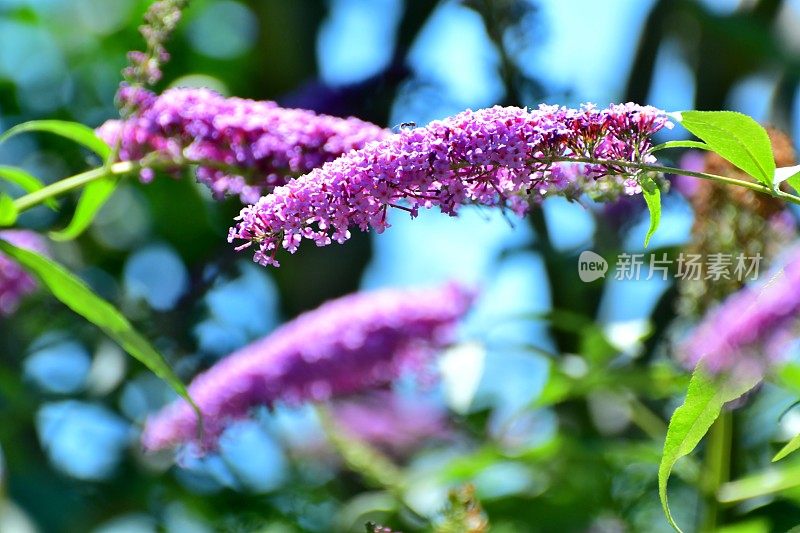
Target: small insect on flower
pixel 404 126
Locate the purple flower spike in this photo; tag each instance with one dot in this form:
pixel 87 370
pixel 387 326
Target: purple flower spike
pixel 496 156
pixel 242 147
pixel 348 345
pixel 752 328
pixel 15 283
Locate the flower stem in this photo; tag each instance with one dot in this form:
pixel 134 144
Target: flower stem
pixel 752 185
pixel 73 182
pixel 716 471
pixel 367 461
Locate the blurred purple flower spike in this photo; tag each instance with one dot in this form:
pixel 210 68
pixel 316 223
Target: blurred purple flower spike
pixel 752 328
pixel 15 282
pixel 350 345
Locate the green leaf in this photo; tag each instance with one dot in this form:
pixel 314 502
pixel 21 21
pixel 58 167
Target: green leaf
pixel 92 198
pixel 790 175
pixel 25 181
pixel 735 137
pixel 76 295
pixel 769 481
pixel 680 144
pixel 794 182
pixel 756 525
pixel 788 376
pixel 8 211
pixel 652 196
pixel 791 446
pixel 73 131
pixel 691 421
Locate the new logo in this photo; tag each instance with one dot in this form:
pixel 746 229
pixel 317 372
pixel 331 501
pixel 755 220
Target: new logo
pixel 591 266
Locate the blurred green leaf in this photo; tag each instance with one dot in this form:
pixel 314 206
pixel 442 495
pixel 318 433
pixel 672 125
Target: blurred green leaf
pixel 691 421
pixel 557 388
pixel 93 197
pixel 73 131
pixel 756 525
pixel 27 182
pixel 680 144
pixel 594 343
pixel 8 211
pixel 652 196
pixel 736 137
pixel 772 480
pixel 76 295
pixel 655 382
pixel 791 447
pixel 788 376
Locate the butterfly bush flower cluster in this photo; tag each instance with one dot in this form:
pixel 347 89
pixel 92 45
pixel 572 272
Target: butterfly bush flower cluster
pixel 498 156
pixel 242 147
pixel 752 328
pixel 15 283
pixel 349 345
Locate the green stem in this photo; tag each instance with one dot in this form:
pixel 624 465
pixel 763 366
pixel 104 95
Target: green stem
pixel 752 185
pixel 367 461
pixel 117 169
pixel 772 480
pixel 126 167
pixel 716 471
pixel 73 182
pixel 647 420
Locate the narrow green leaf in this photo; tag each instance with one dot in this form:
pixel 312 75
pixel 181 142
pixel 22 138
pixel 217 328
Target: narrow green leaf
pixel 791 447
pixel 92 198
pixel 691 421
pixel 8 211
pixel 790 175
pixel 652 197
pixel 756 525
pixel 73 131
pixel 25 181
pixel 769 481
pixel 76 295
pixel 794 182
pixel 680 144
pixel 736 137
